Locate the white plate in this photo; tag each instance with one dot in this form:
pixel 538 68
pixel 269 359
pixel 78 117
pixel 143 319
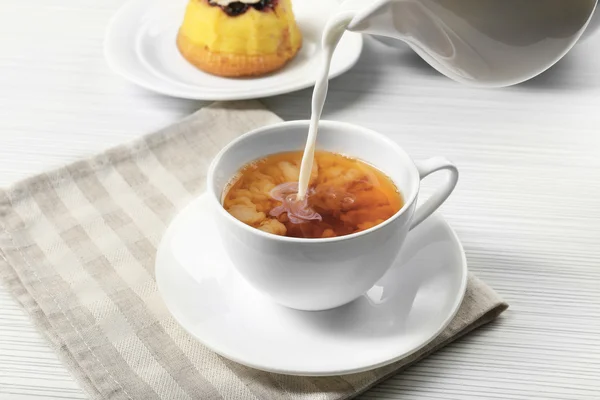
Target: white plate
pixel 140 46
pixel 403 312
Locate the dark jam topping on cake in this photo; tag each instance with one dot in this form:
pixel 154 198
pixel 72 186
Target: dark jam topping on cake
pixel 238 8
pixel 235 9
pixel 264 4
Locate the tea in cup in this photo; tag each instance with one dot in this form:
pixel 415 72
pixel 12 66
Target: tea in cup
pixel 345 196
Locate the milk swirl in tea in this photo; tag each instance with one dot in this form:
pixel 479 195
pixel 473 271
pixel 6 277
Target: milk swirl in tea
pixel 344 196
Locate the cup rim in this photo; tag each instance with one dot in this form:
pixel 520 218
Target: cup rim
pixel 408 202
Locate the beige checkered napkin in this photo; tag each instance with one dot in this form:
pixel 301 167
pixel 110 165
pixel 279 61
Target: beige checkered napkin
pixel 77 251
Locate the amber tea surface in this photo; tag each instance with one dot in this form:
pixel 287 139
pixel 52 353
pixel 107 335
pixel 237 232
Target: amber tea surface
pixel 345 196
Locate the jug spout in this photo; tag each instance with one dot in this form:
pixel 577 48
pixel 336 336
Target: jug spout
pixel 406 20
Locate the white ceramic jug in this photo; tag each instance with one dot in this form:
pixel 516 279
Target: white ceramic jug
pixel 488 43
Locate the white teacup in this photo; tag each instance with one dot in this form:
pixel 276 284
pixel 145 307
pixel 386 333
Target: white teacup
pixel 319 274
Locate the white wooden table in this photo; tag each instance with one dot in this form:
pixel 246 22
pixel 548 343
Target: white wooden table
pixel 527 207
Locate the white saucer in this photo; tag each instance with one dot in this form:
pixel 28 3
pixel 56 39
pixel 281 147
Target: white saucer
pixel 408 308
pixel 140 46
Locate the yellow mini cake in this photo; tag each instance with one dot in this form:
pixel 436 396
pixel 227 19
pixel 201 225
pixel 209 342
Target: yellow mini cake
pixel 239 38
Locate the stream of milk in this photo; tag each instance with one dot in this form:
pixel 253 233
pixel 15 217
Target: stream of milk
pixel 331 36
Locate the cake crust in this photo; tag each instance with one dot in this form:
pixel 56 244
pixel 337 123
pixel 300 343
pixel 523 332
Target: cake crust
pixel 236 65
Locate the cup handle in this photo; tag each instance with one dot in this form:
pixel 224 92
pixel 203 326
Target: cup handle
pixel 426 168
